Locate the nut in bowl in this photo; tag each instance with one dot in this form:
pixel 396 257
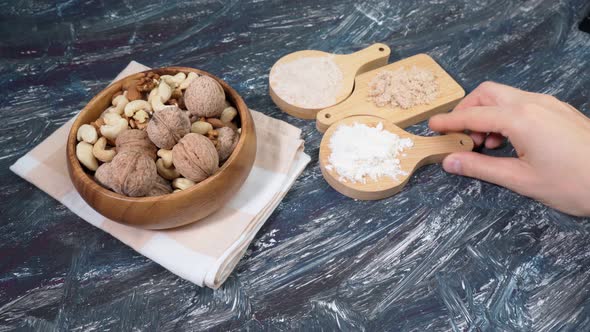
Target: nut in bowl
pixel 162 148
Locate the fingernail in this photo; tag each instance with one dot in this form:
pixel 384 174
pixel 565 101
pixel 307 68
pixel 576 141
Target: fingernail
pixel 452 165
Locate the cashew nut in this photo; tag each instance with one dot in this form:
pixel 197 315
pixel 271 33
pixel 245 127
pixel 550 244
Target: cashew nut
pixel 119 104
pixel 152 95
pixel 101 152
pixel 85 156
pixel 87 133
pixel 163 95
pixel 179 77
pixel 228 114
pixel 135 106
pixel 110 109
pixel 114 125
pixel 109 118
pixel 166 173
pixel 176 190
pixel 164 91
pixel 201 127
pixel 169 79
pixel 166 156
pixel 141 116
pixel 182 183
pixel 174 81
pixel 157 104
pixel 191 76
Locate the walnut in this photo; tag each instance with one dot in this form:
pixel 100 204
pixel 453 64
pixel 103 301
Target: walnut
pixel 161 187
pixel 132 89
pixel 130 173
pixel 204 97
pixel 153 75
pixel 168 126
pixel 227 140
pixel 136 140
pixel 195 157
pixel 103 175
pixel 148 83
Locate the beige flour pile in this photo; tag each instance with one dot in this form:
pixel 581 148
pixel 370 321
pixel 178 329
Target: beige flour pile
pixel 403 88
pixel 310 82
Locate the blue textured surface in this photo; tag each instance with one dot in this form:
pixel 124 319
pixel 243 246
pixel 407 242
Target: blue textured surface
pixel 446 253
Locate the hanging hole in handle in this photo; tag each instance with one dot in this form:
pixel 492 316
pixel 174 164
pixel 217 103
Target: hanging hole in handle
pixel 328 115
pixel 381 49
pixel 461 142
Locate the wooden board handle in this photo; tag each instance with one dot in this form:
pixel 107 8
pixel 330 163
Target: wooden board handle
pixel 328 116
pixel 372 57
pixel 434 149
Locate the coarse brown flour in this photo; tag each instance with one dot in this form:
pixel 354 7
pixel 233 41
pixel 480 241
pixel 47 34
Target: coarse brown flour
pixel 403 88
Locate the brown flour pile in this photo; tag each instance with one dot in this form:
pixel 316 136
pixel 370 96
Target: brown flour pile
pixel 403 88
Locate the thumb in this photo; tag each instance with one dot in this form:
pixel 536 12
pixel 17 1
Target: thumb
pixel 511 173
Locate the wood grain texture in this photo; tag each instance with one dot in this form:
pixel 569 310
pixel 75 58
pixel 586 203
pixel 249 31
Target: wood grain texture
pixel 351 65
pixel 359 104
pixel 176 209
pixel 426 150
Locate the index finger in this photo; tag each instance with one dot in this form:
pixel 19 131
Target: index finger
pixel 483 119
pixel 491 94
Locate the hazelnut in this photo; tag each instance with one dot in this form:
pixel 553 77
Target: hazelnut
pixel 168 126
pixel 161 187
pixel 136 140
pixel 131 174
pixel 204 97
pixel 227 140
pixel 195 157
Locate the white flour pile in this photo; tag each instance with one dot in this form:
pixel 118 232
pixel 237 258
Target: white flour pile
pixel 403 88
pixel 360 152
pixel 307 82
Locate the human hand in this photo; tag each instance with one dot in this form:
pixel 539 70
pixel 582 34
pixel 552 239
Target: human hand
pixel 551 138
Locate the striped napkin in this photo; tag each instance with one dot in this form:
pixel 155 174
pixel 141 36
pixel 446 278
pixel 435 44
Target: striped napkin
pixel 205 252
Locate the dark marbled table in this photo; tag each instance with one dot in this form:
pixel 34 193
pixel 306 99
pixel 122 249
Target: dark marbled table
pixel 446 253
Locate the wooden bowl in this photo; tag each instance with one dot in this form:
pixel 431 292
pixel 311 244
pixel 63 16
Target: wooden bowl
pixel 176 209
